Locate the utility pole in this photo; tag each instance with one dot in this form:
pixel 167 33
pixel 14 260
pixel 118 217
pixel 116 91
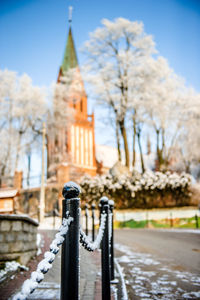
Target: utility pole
pixel 42 189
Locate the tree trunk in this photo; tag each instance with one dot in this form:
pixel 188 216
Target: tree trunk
pixel 2 173
pixel 48 156
pixel 158 149
pixel 134 142
pixel 140 149
pixel 124 136
pixel 163 153
pixel 187 168
pixel 118 142
pixel 163 139
pixel 18 151
pixel 29 168
pixel 5 165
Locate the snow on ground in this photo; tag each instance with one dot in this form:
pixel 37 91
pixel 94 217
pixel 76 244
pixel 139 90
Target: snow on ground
pixel 10 266
pixel 148 278
pixel 123 284
pixel 46 290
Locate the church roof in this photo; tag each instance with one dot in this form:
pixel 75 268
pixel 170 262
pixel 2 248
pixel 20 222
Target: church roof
pixel 70 58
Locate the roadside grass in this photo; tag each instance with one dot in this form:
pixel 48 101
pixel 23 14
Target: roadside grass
pixel 131 224
pixel 165 223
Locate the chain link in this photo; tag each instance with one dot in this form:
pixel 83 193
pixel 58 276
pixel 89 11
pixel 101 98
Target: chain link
pixel 43 267
pixel 85 240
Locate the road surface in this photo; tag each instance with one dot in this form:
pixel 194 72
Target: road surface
pixel 159 264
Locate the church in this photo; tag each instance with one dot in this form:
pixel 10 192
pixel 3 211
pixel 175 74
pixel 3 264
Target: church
pixel 76 143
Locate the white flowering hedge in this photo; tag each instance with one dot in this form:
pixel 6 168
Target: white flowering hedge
pixel 152 189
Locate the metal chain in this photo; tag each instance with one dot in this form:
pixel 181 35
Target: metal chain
pixel 85 240
pixel 43 267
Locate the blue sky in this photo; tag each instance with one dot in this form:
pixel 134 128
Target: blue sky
pixel 33 33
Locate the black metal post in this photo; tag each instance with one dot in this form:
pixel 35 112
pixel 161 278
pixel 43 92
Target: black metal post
pixel 93 220
pixel 105 259
pixel 70 247
pixel 100 211
pixel 86 219
pixel 196 219
pixel 112 271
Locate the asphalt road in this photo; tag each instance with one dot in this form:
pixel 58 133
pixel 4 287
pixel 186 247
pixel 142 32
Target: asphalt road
pixel 183 248
pixel 159 264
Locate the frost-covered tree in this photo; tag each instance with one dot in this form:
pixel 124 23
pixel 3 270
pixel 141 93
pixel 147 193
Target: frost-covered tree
pixel 141 89
pixel 113 53
pixel 24 108
pixel 162 95
pixel 189 142
pixel 172 110
pixel 22 105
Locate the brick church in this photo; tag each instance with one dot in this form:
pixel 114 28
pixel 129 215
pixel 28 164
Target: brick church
pixel 77 142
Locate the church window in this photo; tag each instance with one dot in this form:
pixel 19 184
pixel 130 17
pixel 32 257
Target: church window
pixel 77 144
pixel 72 142
pixel 91 147
pixel 81 105
pixel 82 149
pixel 86 148
pixel 74 103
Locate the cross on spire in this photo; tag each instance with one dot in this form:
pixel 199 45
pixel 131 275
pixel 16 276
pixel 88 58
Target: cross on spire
pixel 70 14
pixel 70 58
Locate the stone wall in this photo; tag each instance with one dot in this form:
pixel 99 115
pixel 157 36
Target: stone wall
pixel 29 199
pixel 18 234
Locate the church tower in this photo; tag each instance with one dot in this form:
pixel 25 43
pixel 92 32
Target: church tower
pixel 79 136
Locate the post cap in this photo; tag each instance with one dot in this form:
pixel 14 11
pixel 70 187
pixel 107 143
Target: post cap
pixel 103 200
pixel 111 202
pixel 71 190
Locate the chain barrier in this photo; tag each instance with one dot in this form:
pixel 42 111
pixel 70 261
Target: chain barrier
pixel 45 265
pixel 85 240
pixel 71 237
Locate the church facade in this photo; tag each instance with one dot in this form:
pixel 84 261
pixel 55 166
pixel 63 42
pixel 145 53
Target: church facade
pixel 75 144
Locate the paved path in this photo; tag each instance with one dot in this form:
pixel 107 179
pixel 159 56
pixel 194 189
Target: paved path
pixel 160 264
pixel 89 277
pixel 49 289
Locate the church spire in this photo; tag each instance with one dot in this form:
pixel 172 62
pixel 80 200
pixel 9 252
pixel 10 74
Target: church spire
pixel 70 58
